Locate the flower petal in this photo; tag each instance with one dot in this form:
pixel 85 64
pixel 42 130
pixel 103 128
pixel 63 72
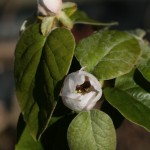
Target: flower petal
pixel 77 95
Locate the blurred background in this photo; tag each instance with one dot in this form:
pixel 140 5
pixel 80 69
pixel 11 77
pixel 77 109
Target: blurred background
pixel 130 14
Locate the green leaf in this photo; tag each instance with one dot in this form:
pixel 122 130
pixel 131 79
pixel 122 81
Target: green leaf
pixel 108 54
pixel 92 130
pixel 40 64
pixel 144 61
pixel 131 100
pixel 26 142
pixel 69 8
pixel 137 33
pixel 47 25
pixel 80 17
pixel 65 20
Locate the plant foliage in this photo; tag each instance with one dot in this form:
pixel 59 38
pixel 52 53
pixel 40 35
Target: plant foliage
pixel 44 56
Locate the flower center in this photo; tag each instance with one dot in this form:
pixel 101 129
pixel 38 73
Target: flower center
pixel 83 88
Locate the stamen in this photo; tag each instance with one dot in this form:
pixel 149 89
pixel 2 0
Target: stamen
pixel 83 88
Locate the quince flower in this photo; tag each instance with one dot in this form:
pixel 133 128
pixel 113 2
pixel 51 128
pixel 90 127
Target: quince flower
pixel 46 7
pixel 81 91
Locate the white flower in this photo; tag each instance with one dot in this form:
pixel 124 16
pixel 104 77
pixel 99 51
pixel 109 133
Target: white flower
pixel 81 91
pixel 46 7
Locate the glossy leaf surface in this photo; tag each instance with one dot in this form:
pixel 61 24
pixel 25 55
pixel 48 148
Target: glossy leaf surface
pixel 131 100
pixel 79 17
pixel 26 142
pixel 108 54
pixel 144 62
pixel 40 64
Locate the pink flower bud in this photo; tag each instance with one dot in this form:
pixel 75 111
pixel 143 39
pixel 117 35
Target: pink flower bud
pixel 49 6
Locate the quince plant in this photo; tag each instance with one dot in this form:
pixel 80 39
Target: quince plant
pixel 48 74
